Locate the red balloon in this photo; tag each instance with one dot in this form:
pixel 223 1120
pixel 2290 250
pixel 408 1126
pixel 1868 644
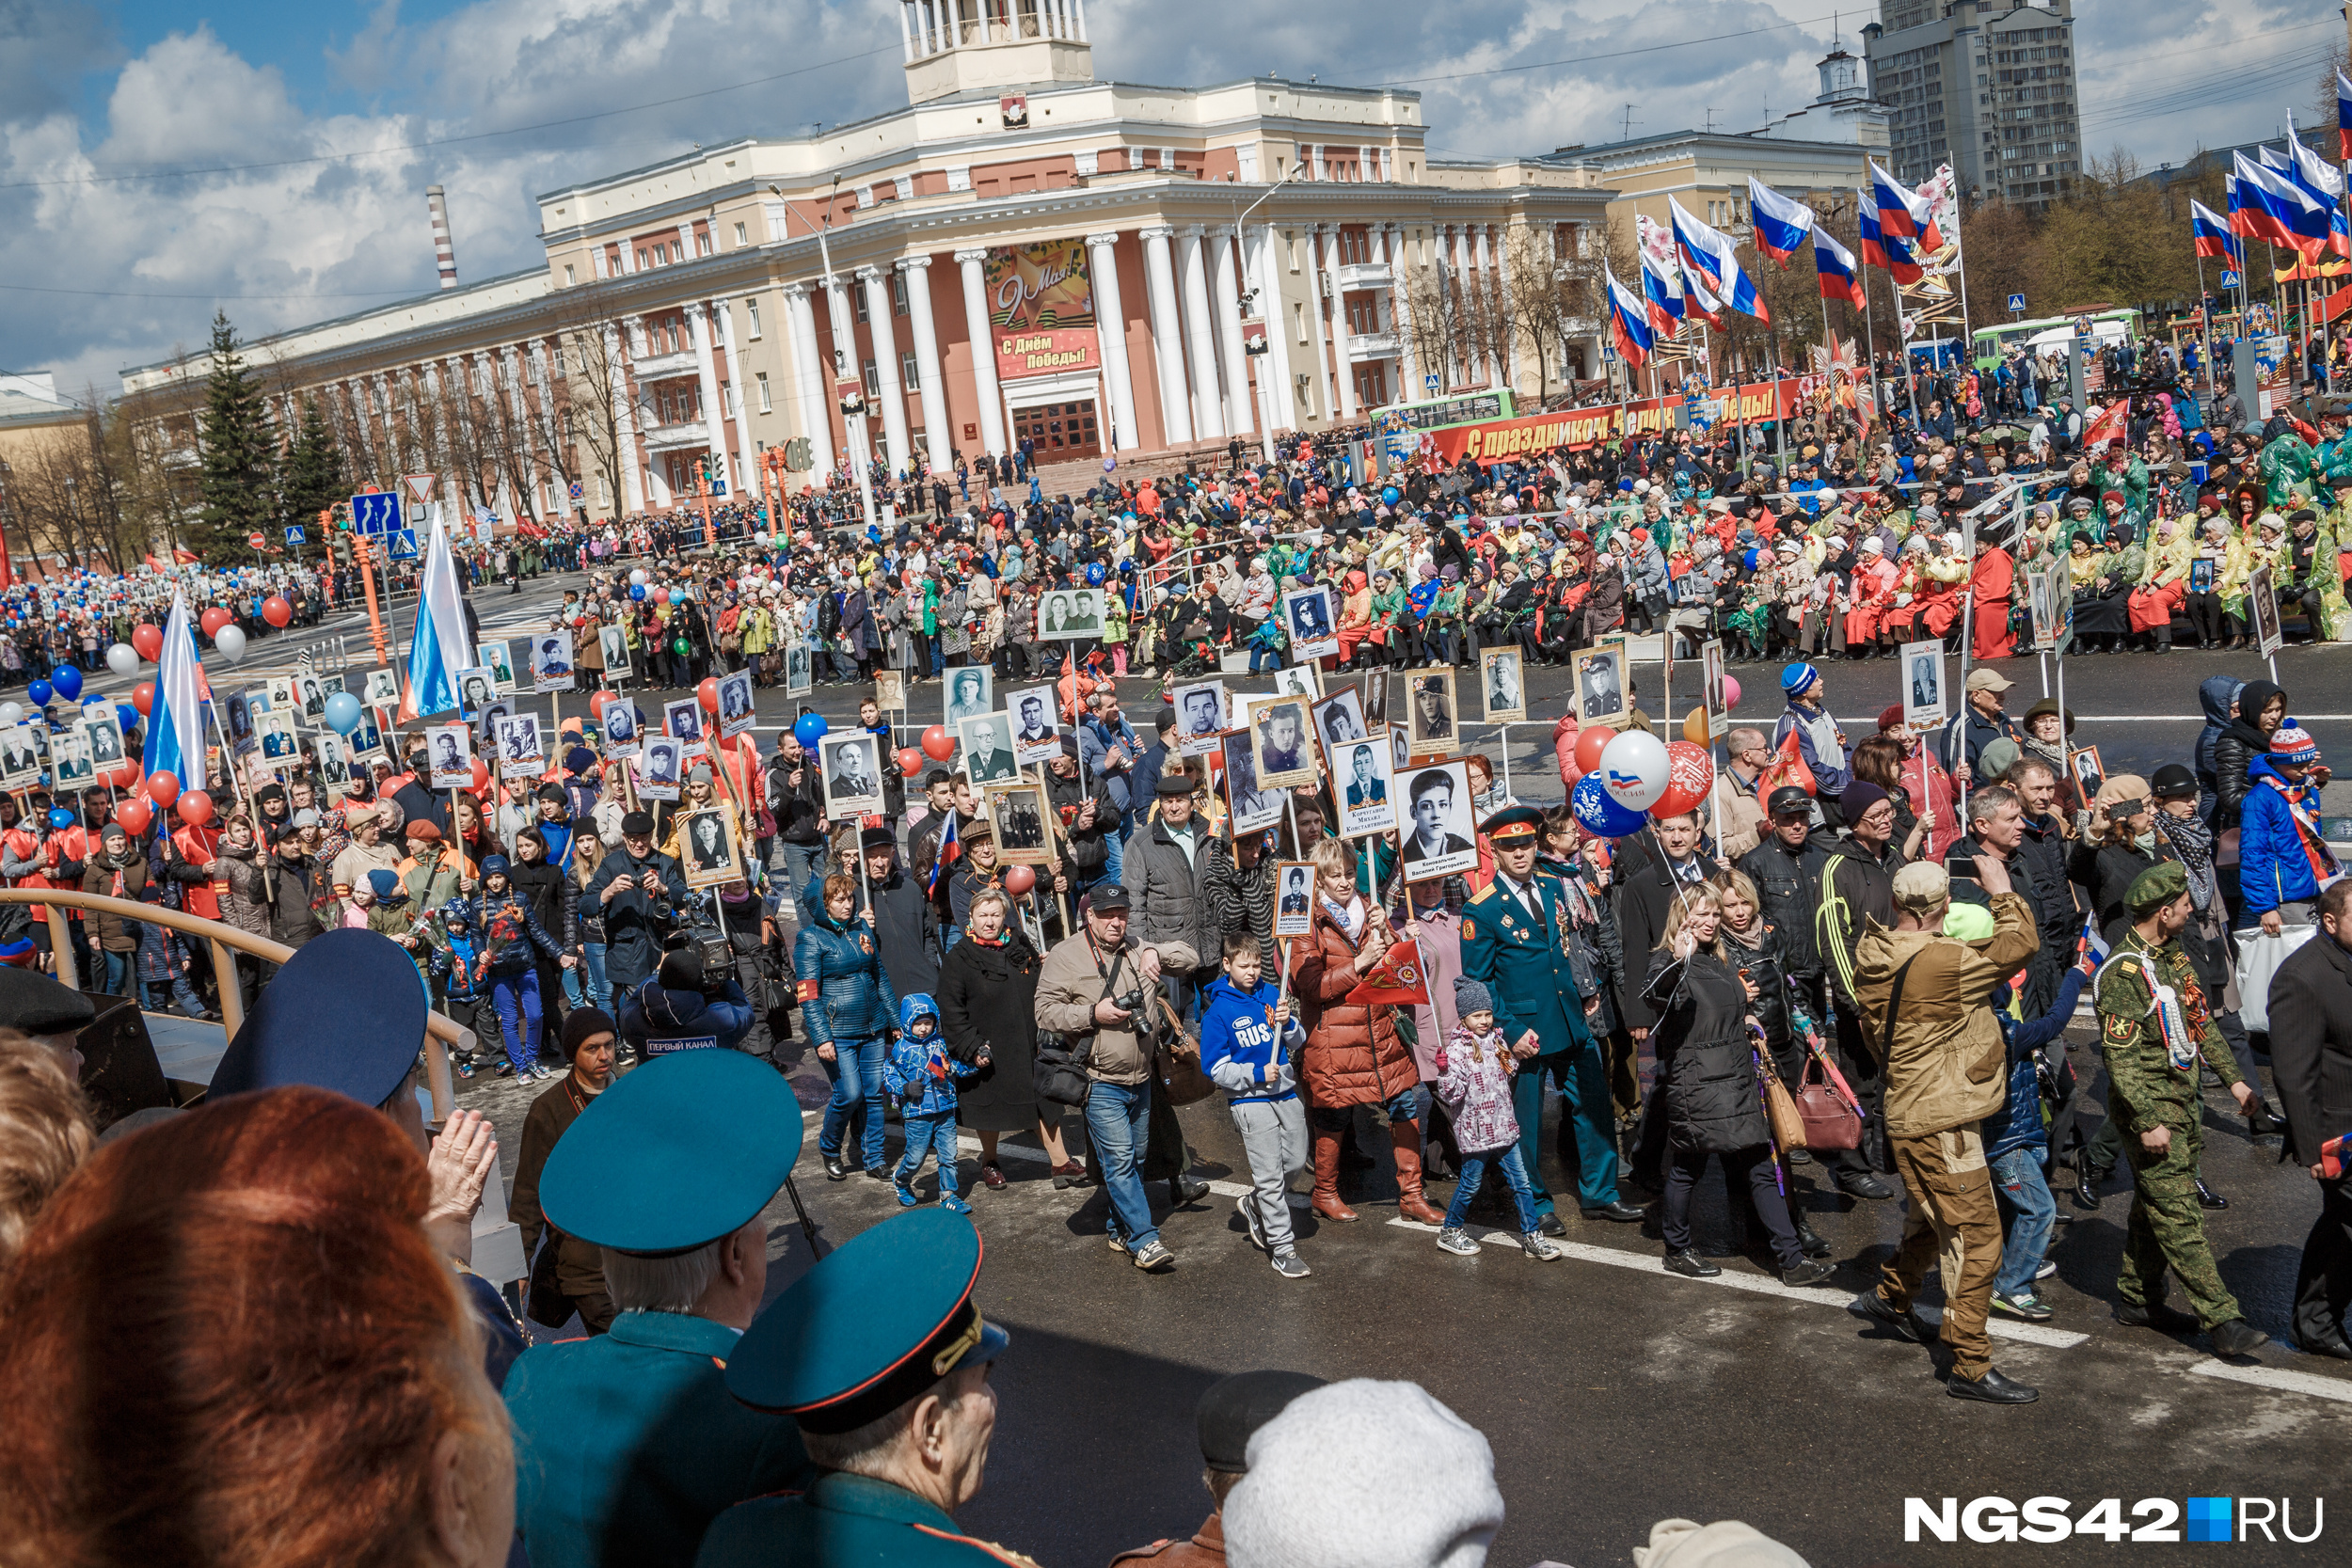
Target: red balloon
pixel 196 808
pixel 661 596
pixel 275 610
pixel 910 761
pixel 149 642
pixel 709 693
pixel 143 697
pixel 163 788
pixel 938 744
pixel 123 774
pixel 1590 743
pixel 1689 774
pixel 134 815
pixel 213 619
pixel 1019 879
pixel 481 775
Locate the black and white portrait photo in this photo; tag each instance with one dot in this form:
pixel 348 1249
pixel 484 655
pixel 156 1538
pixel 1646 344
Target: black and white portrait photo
pixel 1017 811
pixel 1923 684
pixel 498 658
pixel 1254 809
pixel 1429 711
pixel 1500 676
pixel 334 759
pixel 658 768
pixel 734 704
pixel 20 759
pixel 890 690
pixel 1307 617
pixel 311 693
pixel 1034 738
pixel 1295 901
pixel 800 676
pixel 69 758
pixel 238 709
pixel 1600 685
pixel 520 754
pixel 1199 717
pixel 1713 694
pixel 1440 838
pixel 707 853
pixel 614 640
pixel 477 689
pixel 449 755
pixel 550 661
pixel 682 720
pixel 1285 753
pixel 849 763
pixel 486 723
pixel 1340 718
pixel 2262 598
pixel 1298 680
pixel 283 698
pixel 970 692
pixel 623 727
pixel 104 732
pixel 380 689
pixel 1067 614
pixel 1361 774
pixel 987 741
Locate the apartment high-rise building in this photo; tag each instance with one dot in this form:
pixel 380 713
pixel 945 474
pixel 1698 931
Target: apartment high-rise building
pixel 1986 86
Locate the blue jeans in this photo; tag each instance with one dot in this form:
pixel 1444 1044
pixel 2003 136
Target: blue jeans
pixel 856 1071
pixel 117 981
pixel 800 863
pixel 1273 657
pixel 2022 1189
pixel 930 1135
pixel 517 997
pixel 578 990
pixel 1116 1114
pixel 1475 1171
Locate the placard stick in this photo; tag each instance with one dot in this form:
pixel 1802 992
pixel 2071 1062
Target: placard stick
pixel 1291 811
pixel 1055 833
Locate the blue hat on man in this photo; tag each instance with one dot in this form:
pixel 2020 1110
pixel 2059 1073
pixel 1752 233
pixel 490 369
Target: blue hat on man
pixel 676 1155
pixel 345 1013
pixel 1798 679
pixel 870 1326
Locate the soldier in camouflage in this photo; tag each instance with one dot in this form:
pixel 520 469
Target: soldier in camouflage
pixel 2153 1025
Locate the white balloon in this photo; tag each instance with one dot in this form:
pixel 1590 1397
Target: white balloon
pixel 11 713
pixel 637 578
pixel 1634 770
pixel 230 642
pixel 124 660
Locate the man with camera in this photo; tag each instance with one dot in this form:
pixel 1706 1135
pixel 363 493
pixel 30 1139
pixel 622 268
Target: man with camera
pixel 636 890
pixel 686 1006
pixel 1093 989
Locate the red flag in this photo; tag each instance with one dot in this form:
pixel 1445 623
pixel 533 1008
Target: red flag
pixel 1401 977
pixel 1786 768
pixel 2109 426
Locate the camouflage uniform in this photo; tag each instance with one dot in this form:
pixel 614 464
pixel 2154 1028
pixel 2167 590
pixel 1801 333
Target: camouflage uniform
pixel 2146 1091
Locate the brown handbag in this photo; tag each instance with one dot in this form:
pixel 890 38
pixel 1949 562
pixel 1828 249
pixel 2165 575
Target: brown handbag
pixel 1179 1060
pixel 1780 1108
pixel 1829 1121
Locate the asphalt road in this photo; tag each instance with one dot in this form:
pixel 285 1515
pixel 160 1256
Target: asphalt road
pixel 1616 1395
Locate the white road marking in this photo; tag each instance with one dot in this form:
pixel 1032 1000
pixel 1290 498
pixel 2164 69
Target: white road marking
pixel 2276 1379
pixel 1756 1284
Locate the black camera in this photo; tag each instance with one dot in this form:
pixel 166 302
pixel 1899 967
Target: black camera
pixel 1130 1002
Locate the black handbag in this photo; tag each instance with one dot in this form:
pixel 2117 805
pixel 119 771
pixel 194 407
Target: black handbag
pixel 1057 1073
pixel 542 1298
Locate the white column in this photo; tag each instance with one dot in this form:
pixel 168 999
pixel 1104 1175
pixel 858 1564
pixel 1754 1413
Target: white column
pixel 938 440
pixel 906 34
pixel 624 426
pixel 707 372
pixel 1392 320
pixel 844 319
pixel 1284 413
pixel 1327 242
pixel 983 340
pixel 894 397
pixel 1318 341
pixel 1110 332
pixel 1167 344
pixel 744 471
pixel 814 387
pixel 1225 285
pixel 1489 280
pixel 1208 407
pixel 1080 6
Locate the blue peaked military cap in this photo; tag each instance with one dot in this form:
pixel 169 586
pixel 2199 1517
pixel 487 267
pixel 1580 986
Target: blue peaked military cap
pixel 870 1326
pixel 346 1013
pixel 674 1155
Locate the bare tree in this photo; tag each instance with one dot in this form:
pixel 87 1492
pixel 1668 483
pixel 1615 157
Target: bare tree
pixel 1552 284
pixel 596 371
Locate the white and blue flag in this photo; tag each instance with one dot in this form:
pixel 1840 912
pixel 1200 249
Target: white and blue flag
pixel 175 721
pixel 440 647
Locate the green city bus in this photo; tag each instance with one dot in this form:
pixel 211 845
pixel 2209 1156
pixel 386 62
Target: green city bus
pixel 1991 342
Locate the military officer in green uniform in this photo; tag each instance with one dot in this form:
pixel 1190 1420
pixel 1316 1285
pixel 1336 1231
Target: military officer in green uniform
pixel 2154 1026
pixel 882 1356
pixel 627 1445
pixel 1515 943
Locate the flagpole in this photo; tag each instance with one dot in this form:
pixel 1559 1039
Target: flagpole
pixel 2205 312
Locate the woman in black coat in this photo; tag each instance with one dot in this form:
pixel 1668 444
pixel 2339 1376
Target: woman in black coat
pixel 1707 1079
pixel 987 1010
pixel 1754 949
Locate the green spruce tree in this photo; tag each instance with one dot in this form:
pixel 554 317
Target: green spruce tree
pixel 236 494
pixel 311 478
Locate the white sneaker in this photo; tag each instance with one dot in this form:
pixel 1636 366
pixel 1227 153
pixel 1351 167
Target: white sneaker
pixel 1458 1240
pixel 1246 1206
pixel 1538 1246
pixel 2049 1267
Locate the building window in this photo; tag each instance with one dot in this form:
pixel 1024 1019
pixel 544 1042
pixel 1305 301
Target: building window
pixel 907 376
pixel 642 260
pixel 1298 320
pixel 873 381
pixel 857 302
pixel 701 244
pixel 766 407
pixel 898 293
pixel 742 238
pixel 567 274
pixel 751 310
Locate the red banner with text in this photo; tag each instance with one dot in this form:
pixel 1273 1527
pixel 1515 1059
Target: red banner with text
pixel 1492 440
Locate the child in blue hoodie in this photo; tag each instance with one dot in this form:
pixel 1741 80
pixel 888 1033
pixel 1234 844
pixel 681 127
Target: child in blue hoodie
pixel 921 1074
pixel 1246 1023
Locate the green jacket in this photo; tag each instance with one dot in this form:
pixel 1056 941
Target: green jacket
pixel 2150 1090
pixel 628 1445
pixel 843 1520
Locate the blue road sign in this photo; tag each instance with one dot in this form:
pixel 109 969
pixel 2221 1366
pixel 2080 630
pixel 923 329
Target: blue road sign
pixel 378 513
pixel 2231 279
pixel 2017 304
pixel 295 536
pixel 1429 383
pixel 404 543
pixel 577 490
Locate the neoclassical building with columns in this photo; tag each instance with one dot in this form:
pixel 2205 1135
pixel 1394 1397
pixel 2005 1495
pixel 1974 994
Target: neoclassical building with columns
pixel 1021 254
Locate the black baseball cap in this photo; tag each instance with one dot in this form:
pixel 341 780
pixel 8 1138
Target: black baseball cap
pixel 1789 801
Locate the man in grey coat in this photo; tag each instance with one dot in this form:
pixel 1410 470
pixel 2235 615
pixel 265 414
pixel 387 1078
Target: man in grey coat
pixel 1179 880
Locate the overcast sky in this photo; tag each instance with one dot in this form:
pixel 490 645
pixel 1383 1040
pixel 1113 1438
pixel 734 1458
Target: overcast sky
pixel 100 272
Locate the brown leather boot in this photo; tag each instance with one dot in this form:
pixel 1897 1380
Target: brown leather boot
pixel 1405 1139
pixel 1327 1200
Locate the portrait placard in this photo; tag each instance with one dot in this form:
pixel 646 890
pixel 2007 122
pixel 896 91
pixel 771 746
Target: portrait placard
pixel 1429 711
pixel 987 755
pixel 1307 620
pixel 1502 677
pixel 1363 773
pixel 551 660
pixel 449 755
pixel 1017 813
pixel 521 753
pixel 1254 809
pixel 849 764
pixel 1034 738
pixel 1199 717
pixel 1599 674
pixel 1295 902
pixel 1441 839
pixel 1067 614
pixel 1922 667
pixel 735 713
pixel 659 767
pixel 708 854
pixel 1282 751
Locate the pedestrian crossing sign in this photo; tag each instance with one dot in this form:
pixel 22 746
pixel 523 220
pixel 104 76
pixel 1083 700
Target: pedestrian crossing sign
pixel 403 544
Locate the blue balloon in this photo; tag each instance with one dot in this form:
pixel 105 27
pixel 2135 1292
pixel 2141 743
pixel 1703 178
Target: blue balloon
pixel 810 730
pixel 128 716
pixel 67 681
pixel 39 691
pixel 637 591
pixel 1599 812
pixel 59 819
pixel 343 713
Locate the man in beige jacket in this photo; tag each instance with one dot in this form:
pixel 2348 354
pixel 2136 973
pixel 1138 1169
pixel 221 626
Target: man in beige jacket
pixel 1927 1000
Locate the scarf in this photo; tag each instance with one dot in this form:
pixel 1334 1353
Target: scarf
pixel 1348 917
pixel 2315 851
pixel 2191 841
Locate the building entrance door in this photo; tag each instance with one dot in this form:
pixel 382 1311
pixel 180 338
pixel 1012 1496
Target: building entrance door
pixel 1060 431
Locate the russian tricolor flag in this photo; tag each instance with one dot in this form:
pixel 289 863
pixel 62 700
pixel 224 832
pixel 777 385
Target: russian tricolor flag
pixel 1709 255
pixel 175 724
pixel 2323 183
pixel 2272 207
pixel 1661 289
pixel 439 647
pixel 2344 118
pixel 2213 238
pixel 1884 252
pixel 1898 208
pixel 1781 222
pixel 1836 265
pixel 1629 322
